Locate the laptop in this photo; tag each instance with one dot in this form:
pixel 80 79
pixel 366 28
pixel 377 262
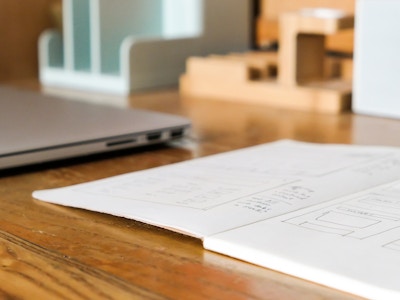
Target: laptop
pixel 35 128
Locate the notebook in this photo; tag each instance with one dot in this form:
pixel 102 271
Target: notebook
pixel 323 212
pixel 36 128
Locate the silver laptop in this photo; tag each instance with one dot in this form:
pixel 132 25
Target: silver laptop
pixel 35 128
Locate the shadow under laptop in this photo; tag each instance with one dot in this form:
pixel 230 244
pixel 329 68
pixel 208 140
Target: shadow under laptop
pixel 119 156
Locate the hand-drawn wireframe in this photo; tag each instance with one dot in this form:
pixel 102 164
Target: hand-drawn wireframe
pixel 366 216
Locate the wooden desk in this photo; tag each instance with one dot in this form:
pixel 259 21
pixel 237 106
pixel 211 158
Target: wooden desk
pixel 52 252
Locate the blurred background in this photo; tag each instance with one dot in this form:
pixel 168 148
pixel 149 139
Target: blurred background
pixel 22 21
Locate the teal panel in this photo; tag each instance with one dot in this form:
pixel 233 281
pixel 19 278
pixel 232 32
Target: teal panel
pixel 81 35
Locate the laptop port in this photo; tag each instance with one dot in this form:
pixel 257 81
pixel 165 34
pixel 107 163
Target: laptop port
pixel 175 133
pixel 154 136
pixel 120 142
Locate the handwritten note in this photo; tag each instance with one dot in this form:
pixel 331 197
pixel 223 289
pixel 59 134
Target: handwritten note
pixel 213 194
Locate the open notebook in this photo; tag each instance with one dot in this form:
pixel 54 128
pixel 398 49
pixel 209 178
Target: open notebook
pixel 325 213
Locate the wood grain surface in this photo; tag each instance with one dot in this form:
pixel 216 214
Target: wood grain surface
pixel 53 252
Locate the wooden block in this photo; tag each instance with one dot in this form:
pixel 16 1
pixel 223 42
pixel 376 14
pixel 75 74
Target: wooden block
pixel 231 78
pixel 347 69
pixel 267 32
pixel 315 22
pixel 304 74
pixel 267 27
pixel 262 63
pixel 272 9
pixel 302 44
pixel 214 68
pixel 331 99
pixel 342 41
pixel 255 58
pixel 226 78
pixel 339 67
pixel 235 66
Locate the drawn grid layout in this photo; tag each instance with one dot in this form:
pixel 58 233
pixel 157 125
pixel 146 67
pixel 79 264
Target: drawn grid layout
pixel 363 217
pixel 212 181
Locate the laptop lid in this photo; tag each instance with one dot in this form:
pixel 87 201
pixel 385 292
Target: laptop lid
pixel 35 128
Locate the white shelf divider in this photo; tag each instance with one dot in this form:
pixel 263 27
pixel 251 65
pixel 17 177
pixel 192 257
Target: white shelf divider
pixel 122 46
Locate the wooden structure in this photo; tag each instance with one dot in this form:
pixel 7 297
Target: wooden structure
pixel 306 79
pixel 267 23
